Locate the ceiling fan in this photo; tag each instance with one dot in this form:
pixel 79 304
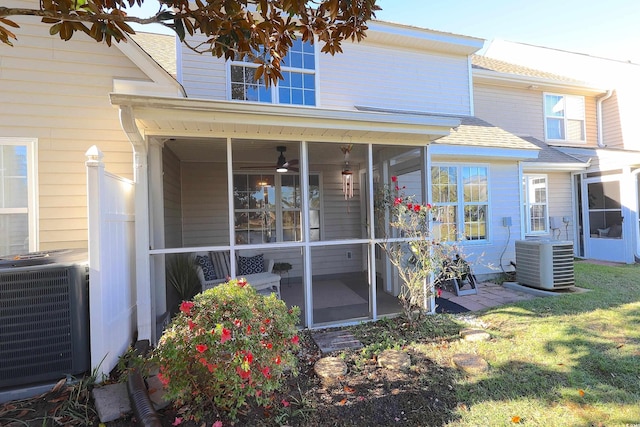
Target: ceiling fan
pixel 282 165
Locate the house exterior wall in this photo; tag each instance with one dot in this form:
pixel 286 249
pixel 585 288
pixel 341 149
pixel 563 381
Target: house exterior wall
pixel 421 81
pixel 57 92
pixel 620 76
pixel 171 182
pixel 521 111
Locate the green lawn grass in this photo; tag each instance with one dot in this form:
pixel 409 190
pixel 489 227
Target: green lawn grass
pixel 570 360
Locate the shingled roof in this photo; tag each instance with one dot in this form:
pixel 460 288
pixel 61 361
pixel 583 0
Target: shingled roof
pixel 479 62
pixel 549 154
pixel 475 132
pixel 160 47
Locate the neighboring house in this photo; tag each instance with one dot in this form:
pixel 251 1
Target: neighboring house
pixel 587 189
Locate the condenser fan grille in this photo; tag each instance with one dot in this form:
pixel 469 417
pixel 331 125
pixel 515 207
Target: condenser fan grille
pixel 43 324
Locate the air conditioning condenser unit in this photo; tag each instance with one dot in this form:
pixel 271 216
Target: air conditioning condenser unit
pixel 545 264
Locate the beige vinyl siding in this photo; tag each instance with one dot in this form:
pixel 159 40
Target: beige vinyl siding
pixel 560 201
pixel 58 92
pixel 203 75
pixel 611 124
pixel 521 111
pixel 205 217
pixel 172 199
pixel 518 111
pixel 365 74
pixel 376 76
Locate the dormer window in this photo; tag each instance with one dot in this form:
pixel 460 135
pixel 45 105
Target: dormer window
pixel 564 117
pixel 297 87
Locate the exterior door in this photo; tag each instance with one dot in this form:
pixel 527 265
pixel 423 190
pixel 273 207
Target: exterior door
pixel 603 219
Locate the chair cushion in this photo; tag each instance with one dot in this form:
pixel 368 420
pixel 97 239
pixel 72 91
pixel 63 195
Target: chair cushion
pixel 221 264
pixel 250 265
pixel 206 264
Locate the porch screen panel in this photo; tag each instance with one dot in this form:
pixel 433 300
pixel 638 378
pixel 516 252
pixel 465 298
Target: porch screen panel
pixel 605 209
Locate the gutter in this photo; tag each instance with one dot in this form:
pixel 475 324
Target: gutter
pixel 599 102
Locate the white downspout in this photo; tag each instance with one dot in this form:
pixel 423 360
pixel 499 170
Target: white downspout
pixel 145 298
pixel 599 102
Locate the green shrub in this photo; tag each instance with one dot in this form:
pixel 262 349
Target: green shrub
pixel 228 347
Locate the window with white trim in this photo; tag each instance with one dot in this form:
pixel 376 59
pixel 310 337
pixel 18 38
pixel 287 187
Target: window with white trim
pixel 460 197
pixel 267 207
pixel 297 86
pixel 16 214
pixel 564 117
pixel 534 189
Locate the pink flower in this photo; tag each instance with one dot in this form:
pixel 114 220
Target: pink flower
pixel 248 329
pixel 277 360
pixel 394 179
pixel 285 403
pixel 428 205
pixel 217 424
pixel 295 340
pixel 177 421
pixel 191 325
pixel 397 201
pixel 226 335
pixel 186 307
pixel 439 292
pixel 243 374
pixel 410 206
pixel 164 380
pixel 248 357
pixel 417 208
pixel 266 371
pixel 242 282
pixel 201 348
pixel 237 322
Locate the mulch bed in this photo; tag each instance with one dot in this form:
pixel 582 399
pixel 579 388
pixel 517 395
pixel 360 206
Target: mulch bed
pixel 367 395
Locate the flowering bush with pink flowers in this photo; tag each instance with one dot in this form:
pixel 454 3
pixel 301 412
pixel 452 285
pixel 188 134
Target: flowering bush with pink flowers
pixel 226 348
pixel 406 230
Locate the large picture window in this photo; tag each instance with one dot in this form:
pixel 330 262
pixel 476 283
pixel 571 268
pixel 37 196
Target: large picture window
pixel 461 201
pixel 564 117
pixel 267 208
pixel 16 216
pixel 297 86
pixel 534 188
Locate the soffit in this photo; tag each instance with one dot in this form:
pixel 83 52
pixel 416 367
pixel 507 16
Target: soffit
pixel 178 117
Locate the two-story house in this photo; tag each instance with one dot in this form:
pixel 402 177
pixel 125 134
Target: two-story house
pixel 586 191
pixel 226 166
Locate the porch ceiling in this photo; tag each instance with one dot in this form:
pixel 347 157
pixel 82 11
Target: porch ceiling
pixel 191 118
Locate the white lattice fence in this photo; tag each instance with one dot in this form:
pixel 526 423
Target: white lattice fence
pixel 112 308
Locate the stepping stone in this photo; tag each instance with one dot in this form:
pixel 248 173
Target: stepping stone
pixel 469 334
pixel 470 363
pixel 335 340
pixel 395 360
pixel 111 401
pixel 329 369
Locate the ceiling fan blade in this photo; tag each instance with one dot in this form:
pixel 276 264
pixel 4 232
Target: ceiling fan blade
pixel 293 162
pixel 258 167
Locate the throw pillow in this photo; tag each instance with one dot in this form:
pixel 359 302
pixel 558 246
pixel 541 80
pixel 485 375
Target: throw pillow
pixel 250 265
pixel 207 267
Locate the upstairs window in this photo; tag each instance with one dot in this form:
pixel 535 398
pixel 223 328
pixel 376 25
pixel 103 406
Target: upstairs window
pixel 297 87
pixel 534 188
pixel 564 117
